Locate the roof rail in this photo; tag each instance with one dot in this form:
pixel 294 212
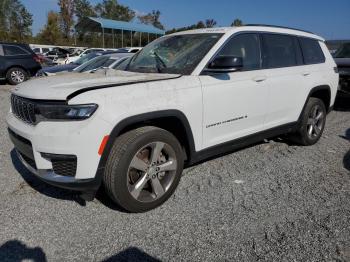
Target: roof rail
pixel 285 27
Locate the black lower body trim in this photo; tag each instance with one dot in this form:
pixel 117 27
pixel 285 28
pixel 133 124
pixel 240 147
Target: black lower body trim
pixel 83 185
pixel 236 144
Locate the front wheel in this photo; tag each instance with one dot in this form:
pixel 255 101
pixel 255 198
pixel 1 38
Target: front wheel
pixel 312 124
pixel 143 169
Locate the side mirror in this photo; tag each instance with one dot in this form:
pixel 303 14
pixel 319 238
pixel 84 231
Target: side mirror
pixel 225 64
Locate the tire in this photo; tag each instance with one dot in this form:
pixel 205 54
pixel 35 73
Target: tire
pixel 312 123
pixel 16 75
pixel 130 178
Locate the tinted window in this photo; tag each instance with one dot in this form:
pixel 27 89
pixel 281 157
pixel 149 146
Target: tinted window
pixel 280 51
pixel 312 51
pixel 36 50
pixel 45 50
pixel 14 50
pixel 245 46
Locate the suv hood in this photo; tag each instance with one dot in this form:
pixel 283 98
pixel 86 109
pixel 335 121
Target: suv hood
pixel 59 87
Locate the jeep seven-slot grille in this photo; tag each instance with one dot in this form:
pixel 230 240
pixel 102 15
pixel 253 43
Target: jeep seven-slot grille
pixel 23 109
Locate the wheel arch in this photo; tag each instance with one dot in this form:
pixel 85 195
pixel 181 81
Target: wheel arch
pixel 173 121
pixel 322 92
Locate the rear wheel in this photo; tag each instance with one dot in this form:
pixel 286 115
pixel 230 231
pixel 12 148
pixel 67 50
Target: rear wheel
pixel 16 75
pixel 143 169
pixel 312 123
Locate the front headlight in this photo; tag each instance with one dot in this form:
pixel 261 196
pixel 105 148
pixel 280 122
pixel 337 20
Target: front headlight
pixel 64 112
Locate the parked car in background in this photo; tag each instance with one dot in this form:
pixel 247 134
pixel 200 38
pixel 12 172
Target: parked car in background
pixel 73 58
pixel 42 50
pixel 57 53
pixel 103 61
pixel 132 49
pixel 52 70
pixel 18 62
pixel 45 61
pixel 342 58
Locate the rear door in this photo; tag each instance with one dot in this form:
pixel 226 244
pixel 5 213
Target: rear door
pixel 234 103
pixel 283 66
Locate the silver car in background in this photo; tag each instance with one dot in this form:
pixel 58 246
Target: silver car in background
pixel 104 61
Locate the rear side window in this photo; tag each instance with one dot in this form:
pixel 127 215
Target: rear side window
pixel 45 50
pixel 280 51
pixel 312 51
pixel 14 50
pixel 245 46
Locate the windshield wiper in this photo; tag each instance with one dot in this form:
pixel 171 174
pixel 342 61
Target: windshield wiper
pixel 159 62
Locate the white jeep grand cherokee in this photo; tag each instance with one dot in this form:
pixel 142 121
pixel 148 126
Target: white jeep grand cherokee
pixel 182 99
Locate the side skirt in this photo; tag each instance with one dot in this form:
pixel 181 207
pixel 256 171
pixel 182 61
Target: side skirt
pixel 234 145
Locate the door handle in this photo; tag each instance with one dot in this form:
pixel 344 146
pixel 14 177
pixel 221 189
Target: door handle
pixel 259 78
pixel 306 73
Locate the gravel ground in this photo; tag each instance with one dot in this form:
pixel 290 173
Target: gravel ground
pixel 268 202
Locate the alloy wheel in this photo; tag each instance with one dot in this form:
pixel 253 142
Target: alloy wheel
pixel 151 172
pixel 315 122
pixel 17 76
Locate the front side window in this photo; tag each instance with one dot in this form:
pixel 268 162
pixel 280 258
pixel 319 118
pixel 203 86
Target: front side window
pixel 312 51
pixel 178 54
pixel 245 46
pixel 280 51
pixel 14 50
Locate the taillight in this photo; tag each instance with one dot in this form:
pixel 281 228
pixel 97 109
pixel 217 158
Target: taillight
pixel 37 58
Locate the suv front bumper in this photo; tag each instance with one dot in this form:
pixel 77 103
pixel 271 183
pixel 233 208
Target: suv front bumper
pixel 50 177
pixel 81 139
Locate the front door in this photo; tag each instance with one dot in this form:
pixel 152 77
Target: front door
pixel 234 104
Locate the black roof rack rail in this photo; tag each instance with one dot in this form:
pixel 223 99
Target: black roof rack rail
pixel 284 27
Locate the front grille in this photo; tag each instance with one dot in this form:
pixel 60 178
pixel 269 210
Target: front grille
pixel 23 109
pixel 64 167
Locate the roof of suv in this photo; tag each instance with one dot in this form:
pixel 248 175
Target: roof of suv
pixel 255 28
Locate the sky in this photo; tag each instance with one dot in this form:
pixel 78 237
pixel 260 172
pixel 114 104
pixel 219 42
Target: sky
pixel 330 19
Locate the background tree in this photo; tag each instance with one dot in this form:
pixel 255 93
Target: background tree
pixel 111 9
pixel 66 16
pixel 209 23
pixel 15 21
pixel 21 21
pixel 237 22
pixel 51 33
pixel 83 8
pixel 200 24
pixel 152 19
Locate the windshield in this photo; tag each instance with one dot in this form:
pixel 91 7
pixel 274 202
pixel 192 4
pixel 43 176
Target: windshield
pixel 178 54
pixel 343 52
pixel 85 58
